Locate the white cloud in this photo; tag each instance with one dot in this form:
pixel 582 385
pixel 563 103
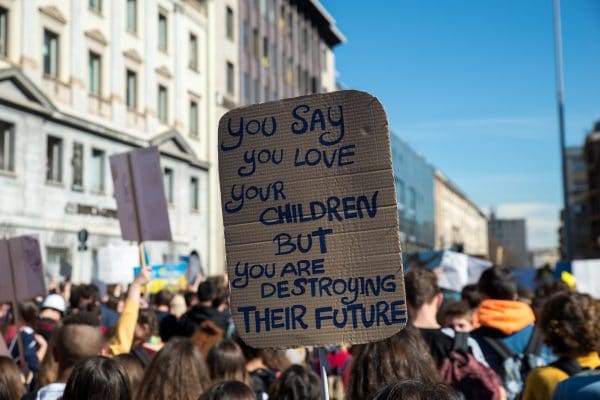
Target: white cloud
pixel 543 221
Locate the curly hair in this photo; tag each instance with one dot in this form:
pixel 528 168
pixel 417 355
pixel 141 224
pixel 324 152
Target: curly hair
pixel 571 323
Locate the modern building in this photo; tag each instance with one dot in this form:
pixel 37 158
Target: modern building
pixel 269 50
pixel 459 223
pixel 577 182
pixel 414 179
pixel 82 80
pixel 508 242
pixel 592 157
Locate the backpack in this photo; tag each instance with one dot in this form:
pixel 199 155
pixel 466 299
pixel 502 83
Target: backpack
pixel 515 367
pixel 467 375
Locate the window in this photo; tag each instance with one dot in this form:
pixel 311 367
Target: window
pixel 3 32
pixel 95 5
pixel 168 183
pixel 246 88
pixel 131 89
pixel 267 92
pixel 194 118
pixel 50 54
pixel 163 114
pixel 162 32
pixel 77 162
pixel 400 192
pixel 194 195
pixel 97 170
pixel 412 199
pixel 7 146
pixel 94 71
pixel 245 33
pixel 54 159
pixel 274 58
pixel 255 45
pixel 193 62
pixel 229 23
pixel 131 22
pixel 266 51
pixel 230 79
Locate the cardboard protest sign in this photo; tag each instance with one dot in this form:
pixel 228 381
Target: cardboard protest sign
pixel 22 256
pixel 311 227
pixel 141 201
pixel 116 263
pixel 166 276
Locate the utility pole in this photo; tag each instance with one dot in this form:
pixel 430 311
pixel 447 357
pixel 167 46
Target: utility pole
pixel 567 228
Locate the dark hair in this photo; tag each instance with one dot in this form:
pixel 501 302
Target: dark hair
pixel 250 353
pixel 147 316
pixel 498 283
pixel 28 311
pixel 421 287
pixel 226 362
pixel 134 368
pixel 229 390
pixel 544 292
pixel 85 292
pixel 571 323
pixel 402 356
pixel 411 389
pixel 82 318
pixel 10 376
pixel 189 298
pixel 524 294
pixel 470 294
pixel 296 383
pixel 456 309
pixel 177 372
pixel 222 289
pixel 163 298
pixel 98 378
pixel 207 291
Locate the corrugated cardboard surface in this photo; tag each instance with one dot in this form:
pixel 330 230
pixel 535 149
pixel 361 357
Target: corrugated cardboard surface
pixel 349 249
pixel 26 262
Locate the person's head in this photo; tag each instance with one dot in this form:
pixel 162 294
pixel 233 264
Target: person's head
pixel 177 371
pixel 207 335
pixel 191 299
pixel 53 307
pixel 402 356
pixel 414 390
pixel 470 294
pixel 162 299
pixel 28 311
pixel 422 292
pixel 570 323
pixel 546 290
pixel 85 298
pixel 226 362
pixel 146 326
pixel 207 291
pixel 177 307
pixel 10 375
pixel 229 390
pixel 524 294
pixel 498 283
pixel 275 359
pixel 78 338
pixel 98 378
pixel 134 368
pixel 458 316
pixel 221 299
pixel 296 383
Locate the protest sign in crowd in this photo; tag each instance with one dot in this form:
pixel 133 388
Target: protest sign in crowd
pixel 316 304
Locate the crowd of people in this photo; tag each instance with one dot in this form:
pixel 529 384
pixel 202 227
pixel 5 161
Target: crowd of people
pixel 497 342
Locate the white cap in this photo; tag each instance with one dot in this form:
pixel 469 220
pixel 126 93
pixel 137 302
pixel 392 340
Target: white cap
pixel 56 302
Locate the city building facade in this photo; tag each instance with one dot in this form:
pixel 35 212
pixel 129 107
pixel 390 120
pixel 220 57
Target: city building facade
pixel 82 80
pixel 508 242
pixel 459 223
pixel 592 157
pixel 414 180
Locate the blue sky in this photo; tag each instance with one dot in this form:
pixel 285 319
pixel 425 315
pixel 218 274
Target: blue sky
pixel 470 84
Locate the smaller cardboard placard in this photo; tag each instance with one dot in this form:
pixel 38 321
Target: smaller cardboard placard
pixel 166 276
pixel 116 263
pixel 141 202
pixel 311 222
pixel 22 256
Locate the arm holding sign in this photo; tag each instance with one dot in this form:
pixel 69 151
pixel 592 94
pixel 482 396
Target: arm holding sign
pixel 123 339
